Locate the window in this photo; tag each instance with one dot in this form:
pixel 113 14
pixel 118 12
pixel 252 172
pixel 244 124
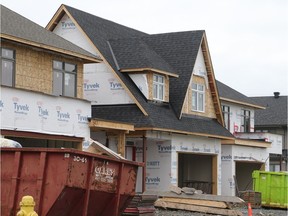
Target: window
pixel 226 116
pixel 64 79
pixel 158 87
pixel 7 67
pixel 245 121
pixel 198 97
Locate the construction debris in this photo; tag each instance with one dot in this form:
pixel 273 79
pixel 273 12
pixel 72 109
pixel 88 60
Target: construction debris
pixel 98 148
pixel 141 204
pixel 191 199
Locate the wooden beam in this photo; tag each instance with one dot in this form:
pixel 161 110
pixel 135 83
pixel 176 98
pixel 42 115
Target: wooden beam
pixel 150 69
pixel 247 142
pixel 210 203
pixel 195 208
pixel 184 132
pixel 98 123
pixel 214 174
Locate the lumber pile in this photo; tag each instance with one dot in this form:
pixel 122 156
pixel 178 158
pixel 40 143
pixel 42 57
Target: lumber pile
pixel 98 148
pixel 141 204
pixel 189 199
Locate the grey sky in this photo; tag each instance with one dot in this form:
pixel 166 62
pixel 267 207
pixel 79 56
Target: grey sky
pixel 248 39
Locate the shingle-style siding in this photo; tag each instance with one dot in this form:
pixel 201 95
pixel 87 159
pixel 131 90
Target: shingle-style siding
pixel 209 106
pixel 34 69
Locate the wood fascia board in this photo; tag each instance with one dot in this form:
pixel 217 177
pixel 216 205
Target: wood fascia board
pixel 183 132
pixel 50 48
pixel 213 81
pixel 56 18
pixel 36 135
pixel 96 123
pixel 149 69
pixel 247 142
pixel 242 103
pixel 52 25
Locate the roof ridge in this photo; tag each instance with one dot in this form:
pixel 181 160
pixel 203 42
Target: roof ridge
pixel 104 19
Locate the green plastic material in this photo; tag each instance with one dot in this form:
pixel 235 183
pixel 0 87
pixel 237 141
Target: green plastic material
pixel 273 188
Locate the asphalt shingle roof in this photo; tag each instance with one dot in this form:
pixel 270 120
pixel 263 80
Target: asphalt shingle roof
pixel 172 52
pixel 134 53
pixel 180 49
pixel 229 93
pixel 162 117
pixel 275 113
pixel 15 25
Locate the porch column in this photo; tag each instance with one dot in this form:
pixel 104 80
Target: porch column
pixel 144 168
pixel 121 143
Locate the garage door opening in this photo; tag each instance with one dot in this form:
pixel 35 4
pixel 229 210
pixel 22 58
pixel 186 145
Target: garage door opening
pixel 198 171
pixel 244 172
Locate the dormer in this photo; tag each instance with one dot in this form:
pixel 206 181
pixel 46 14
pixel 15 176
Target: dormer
pixel 148 70
pixel 202 96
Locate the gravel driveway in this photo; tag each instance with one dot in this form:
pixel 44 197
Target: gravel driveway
pixel 256 212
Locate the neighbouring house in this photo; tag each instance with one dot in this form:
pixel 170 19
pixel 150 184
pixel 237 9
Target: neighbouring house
pixel 42 102
pixel 154 99
pixel 273 119
pixel 251 150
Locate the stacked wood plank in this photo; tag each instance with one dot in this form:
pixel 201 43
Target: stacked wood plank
pixel 204 203
pixel 141 204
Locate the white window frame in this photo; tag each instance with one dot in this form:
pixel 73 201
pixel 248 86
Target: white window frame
pixel 198 91
pixel 157 85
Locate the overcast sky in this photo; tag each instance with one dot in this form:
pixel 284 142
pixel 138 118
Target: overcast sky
pixel 248 39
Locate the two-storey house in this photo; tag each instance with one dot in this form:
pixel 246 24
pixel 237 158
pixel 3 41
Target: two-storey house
pixel 250 150
pixel 154 99
pixel 42 102
pixel 273 119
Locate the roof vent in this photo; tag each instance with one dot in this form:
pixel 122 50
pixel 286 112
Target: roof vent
pixel 276 94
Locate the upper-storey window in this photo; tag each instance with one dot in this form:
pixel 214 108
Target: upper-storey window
pixel 64 78
pixel 226 116
pixel 7 67
pixel 158 87
pixel 198 97
pixel 245 121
